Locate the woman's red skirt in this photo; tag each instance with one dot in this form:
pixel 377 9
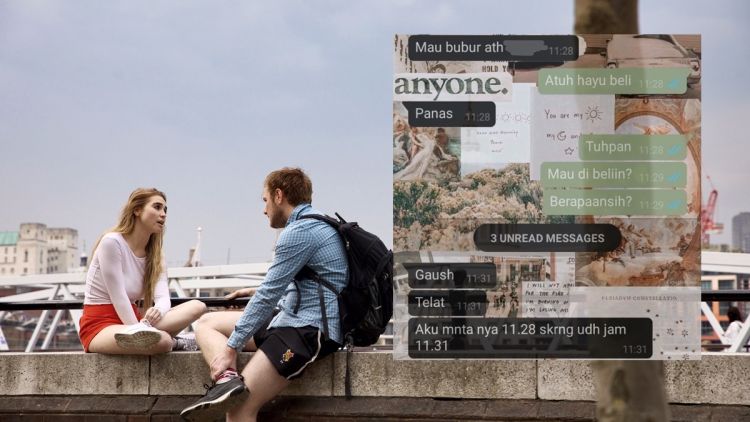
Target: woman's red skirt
pixel 96 318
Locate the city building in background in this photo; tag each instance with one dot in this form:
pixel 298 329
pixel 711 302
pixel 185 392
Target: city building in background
pixel 741 232
pixel 38 249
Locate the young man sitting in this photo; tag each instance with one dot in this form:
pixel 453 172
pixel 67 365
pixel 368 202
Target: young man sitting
pixel 287 342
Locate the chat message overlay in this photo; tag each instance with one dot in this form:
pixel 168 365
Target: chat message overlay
pixel 547 196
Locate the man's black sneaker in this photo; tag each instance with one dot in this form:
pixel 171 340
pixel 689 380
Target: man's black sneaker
pixel 217 401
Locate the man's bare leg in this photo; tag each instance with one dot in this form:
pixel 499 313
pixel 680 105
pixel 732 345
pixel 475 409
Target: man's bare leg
pixel 213 330
pixel 264 383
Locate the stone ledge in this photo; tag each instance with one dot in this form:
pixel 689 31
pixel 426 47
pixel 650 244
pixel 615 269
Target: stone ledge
pixel 184 373
pixel 706 381
pixel 373 375
pixel 377 374
pixel 73 373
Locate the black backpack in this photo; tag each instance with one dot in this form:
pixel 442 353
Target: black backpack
pixel 366 303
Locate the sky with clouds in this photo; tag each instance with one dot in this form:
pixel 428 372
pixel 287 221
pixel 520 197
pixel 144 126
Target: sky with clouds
pixel 202 100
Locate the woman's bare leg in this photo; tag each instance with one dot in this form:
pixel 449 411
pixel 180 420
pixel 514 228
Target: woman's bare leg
pixel 180 316
pixel 105 343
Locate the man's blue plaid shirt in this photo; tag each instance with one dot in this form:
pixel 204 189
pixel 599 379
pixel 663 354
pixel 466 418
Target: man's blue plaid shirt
pixel 302 242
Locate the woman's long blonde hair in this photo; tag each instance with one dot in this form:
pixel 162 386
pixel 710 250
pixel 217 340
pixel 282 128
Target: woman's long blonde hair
pixel 126 224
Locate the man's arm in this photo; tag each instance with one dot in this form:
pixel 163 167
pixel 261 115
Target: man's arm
pixel 293 250
pixel 246 292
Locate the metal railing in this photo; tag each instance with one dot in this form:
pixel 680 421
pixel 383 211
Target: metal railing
pixel 61 293
pixel 66 305
pixel 742 338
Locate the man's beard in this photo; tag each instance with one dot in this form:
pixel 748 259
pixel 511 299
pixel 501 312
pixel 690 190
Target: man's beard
pixel 277 220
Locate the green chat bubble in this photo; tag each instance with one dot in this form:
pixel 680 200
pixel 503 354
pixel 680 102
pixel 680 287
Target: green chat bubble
pixel 650 202
pixel 614 175
pixel 633 147
pixel 613 81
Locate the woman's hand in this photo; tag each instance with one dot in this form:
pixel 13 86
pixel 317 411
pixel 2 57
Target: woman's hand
pixel 152 315
pixel 248 291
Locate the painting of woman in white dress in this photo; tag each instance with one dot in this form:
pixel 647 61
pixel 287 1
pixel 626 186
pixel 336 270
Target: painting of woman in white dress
pixel 424 153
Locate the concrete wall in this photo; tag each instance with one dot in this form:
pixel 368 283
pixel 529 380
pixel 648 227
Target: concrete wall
pixel 716 379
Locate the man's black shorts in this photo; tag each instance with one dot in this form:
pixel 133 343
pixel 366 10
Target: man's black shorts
pixel 291 349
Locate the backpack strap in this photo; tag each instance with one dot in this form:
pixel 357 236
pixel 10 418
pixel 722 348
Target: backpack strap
pixel 324 218
pixel 296 287
pixel 308 273
pixel 347 375
pixel 323 313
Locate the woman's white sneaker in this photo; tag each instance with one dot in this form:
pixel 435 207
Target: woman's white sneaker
pixel 139 336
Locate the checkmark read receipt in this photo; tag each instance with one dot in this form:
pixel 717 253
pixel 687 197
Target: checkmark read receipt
pixel 547 196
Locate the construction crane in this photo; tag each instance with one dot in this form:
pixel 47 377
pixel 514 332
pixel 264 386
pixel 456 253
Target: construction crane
pixel 708 225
